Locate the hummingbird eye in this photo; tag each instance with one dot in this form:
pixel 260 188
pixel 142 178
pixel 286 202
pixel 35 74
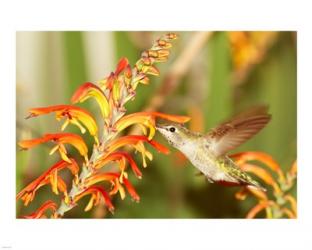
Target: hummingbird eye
pixel 172 129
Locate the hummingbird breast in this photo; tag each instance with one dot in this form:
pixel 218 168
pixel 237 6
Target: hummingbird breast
pixel 206 162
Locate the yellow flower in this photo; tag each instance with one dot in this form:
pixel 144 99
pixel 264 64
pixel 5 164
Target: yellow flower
pixel 87 90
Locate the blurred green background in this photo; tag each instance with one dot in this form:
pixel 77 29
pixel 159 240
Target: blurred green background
pixel 229 72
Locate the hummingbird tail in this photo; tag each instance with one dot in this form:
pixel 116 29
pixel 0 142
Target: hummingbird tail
pixel 259 187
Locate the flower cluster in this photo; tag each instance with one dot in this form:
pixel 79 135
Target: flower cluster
pixel 282 203
pixel 111 94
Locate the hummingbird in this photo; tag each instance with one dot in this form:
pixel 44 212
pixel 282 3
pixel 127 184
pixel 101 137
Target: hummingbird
pixel 208 152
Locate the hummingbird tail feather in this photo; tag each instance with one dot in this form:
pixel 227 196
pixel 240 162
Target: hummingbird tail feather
pixel 257 187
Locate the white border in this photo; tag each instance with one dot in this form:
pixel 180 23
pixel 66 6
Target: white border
pixel 152 234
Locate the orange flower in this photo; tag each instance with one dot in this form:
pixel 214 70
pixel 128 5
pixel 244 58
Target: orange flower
pixel 147 119
pixel 40 212
pixel 241 158
pixel 289 213
pixel 131 190
pixel 257 209
pixel 263 174
pixel 293 169
pixel 137 142
pixel 96 193
pixel 293 203
pixel 133 140
pixel 117 179
pixel 60 139
pixel 118 156
pixel 87 90
pixel 74 115
pixel 121 66
pixel 49 176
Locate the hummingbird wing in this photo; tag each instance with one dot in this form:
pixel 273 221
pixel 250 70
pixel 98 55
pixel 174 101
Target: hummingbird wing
pixel 233 133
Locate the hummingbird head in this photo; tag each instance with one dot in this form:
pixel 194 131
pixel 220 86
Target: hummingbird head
pixel 176 134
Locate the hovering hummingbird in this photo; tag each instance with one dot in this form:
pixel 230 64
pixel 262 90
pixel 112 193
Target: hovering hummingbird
pixel 208 153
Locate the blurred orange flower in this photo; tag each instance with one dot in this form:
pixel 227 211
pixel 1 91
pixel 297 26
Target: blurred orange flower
pixel 282 203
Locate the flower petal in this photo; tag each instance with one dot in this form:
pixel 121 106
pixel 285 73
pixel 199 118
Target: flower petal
pixel 41 210
pixel 136 118
pixel 116 156
pixel 131 190
pixel 132 140
pixel 88 90
pixel 241 194
pixel 107 176
pixel 122 64
pixel 147 119
pixel 27 194
pixel 293 169
pixel 293 203
pixel 60 139
pixel 172 118
pixel 241 158
pixel 289 213
pixel 263 174
pixel 72 113
pixel 257 209
pixel 96 190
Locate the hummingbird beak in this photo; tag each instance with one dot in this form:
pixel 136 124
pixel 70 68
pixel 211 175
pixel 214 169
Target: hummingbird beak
pixel 159 126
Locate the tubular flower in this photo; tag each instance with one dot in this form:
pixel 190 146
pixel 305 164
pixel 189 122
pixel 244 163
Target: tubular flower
pixel 49 176
pixel 96 193
pixel 275 206
pixel 257 209
pixel 133 140
pixel 118 156
pixel 60 139
pixel 111 94
pixel 73 115
pixel 263 174
pixel 117 180
pixel 40 212
pixel 117 90
pixel 259 156
pixel 147 119
pixel 88 90
pixel 137 142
